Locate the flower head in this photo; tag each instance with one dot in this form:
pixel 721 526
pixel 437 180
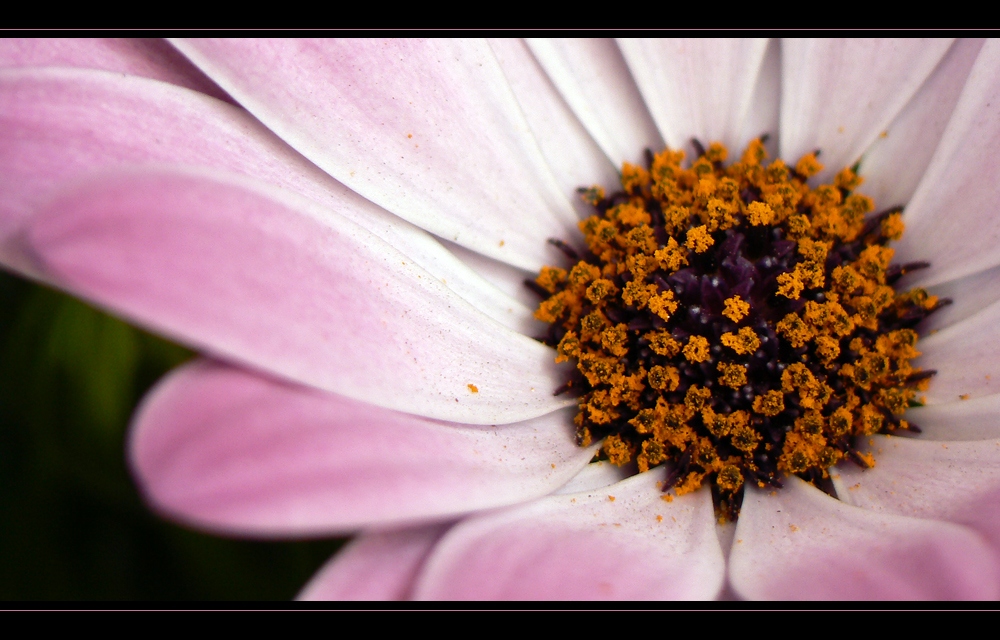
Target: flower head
pixel 344 226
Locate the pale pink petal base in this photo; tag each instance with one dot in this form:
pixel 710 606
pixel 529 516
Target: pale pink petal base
pixel 953 481
pixel 975 419
pixel 374 566
pixel 622 542
pixel 801 544
pixel 965 357
pixel 574 157
pixel 226 449
pixel 696 87
pixel 263 277
pixel 595 82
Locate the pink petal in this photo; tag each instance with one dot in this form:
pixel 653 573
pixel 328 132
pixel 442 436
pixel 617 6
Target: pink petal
pixel 697 88
pixel 965 357
pixel 270 280
pixel 595 82
pixel 953 481
pixel 145 57
pixel 974 419
pixel 951 219
pixel 63 125
pixel 226 449
pixel 838 95
pixel 573 156
pixel 583 546
pixel 893 165
pixel 374 566
pixel 426 129
pixel 800 544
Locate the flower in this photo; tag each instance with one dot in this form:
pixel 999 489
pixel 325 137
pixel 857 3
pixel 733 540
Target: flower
pixel 273 204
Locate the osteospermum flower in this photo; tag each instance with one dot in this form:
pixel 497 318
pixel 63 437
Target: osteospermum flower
pixel 344 227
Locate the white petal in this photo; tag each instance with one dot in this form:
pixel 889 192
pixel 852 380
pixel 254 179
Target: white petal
pixel 697 88
pixel 594 80
pixel 969 295
pixel 838 95
pixel 977 419
pixel 764 113
pixel 427 129
pixel 574 157
pixel 951 220
pixel 893 165
pixel 965 357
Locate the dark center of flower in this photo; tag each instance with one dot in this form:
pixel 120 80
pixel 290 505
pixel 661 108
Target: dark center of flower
pixel 735 323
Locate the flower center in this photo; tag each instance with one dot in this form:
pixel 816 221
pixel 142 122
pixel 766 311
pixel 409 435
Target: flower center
pixel 735 323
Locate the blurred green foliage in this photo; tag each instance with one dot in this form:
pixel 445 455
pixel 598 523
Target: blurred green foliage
pixel 72 525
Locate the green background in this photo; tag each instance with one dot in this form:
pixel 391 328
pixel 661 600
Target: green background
pixel 72 525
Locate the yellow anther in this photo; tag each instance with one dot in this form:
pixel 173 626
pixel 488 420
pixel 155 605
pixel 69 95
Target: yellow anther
pixel 615 339
pixel 634 178
pixel 791 285
pixel 808 165
pixel 770 403
pixel 696 397
pixel 795 330
pixel 699 239
pixel 600 289
pixel 569 347
pixel 653 453
pixel 582 274
pixel 636 294
pixel 671 257
pixel 663 304
pixel 759 213
pixel 617 450
pixel 893 227
pixel 696 350
pixel 550 278
pixel 743 343
pixel 663 378
pixel 629 214
pixel 729 479
pixel 847 180
pixel 732 375
pixel 736 308
pixel 662 344
pixel 593 195
pixel 745 438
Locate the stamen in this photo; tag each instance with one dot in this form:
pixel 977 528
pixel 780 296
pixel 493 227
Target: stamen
pixel 735 323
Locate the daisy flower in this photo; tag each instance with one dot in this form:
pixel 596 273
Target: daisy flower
pixel 344 228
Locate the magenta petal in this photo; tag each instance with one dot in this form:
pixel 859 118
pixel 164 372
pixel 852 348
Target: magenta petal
pixel 427 129
pixel 227 449
pixel 146 57
pixel 275 281
pixel 622 542
pixel 800 544
pixel 374 566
